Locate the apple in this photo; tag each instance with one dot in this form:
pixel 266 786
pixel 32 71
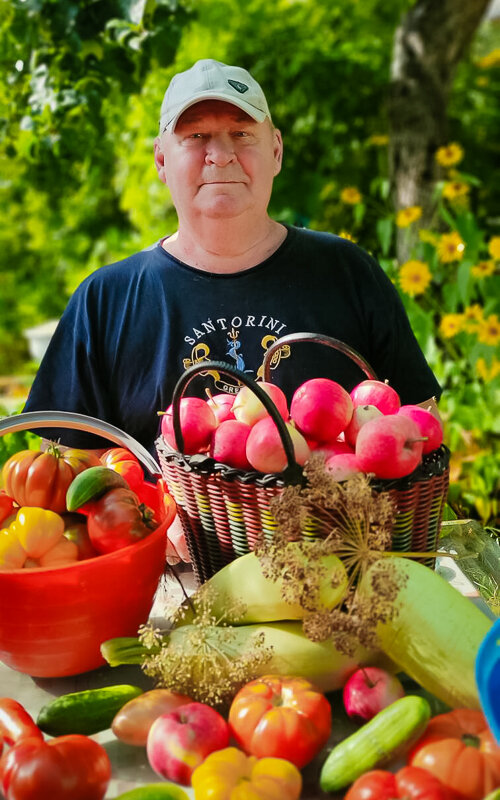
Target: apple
pixel 229 442
pixel 222 405
pixel 333 448
pixel 429 425
pixel 181 740
pixel 342 466
pixel 369 690
pixel 360 415
pixel 198 422
pixel 376 393
pixel 248 408
pixel 321 409
pixel 265 450
pixel 389 446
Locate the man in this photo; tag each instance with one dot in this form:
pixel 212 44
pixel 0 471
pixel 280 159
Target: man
pixel 225 285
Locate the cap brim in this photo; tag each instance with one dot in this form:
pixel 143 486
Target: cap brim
pixel 256 113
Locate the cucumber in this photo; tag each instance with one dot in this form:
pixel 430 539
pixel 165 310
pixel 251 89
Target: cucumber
pixel 91 484
pixel 86 712
pixel 155 791
pixel 385 736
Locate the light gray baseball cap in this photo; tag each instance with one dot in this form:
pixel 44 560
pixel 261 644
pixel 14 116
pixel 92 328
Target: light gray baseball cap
pixel 212 80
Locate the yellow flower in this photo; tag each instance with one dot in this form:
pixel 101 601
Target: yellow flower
pixel 491 60
pixel 408 215
pixel 451 324
pixel 414 277
pixel 483 268
pixel 350 195
pixel 489 330
pixel 485 372
pixel 449 155
pixel 454 189
pixel 450 248
pixel 347 235
pixel 482 81
pixel 494 247
pixel 378 140
pixel 472 316
pixel 428 236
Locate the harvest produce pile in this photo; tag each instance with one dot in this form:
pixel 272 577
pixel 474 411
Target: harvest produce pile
pixel 250 673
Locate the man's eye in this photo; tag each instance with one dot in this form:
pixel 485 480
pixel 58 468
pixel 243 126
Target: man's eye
pixel 241 133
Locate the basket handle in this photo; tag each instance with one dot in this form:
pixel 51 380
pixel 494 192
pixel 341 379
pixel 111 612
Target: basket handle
pixel 67 419
pixel 316 338
pixel 292 472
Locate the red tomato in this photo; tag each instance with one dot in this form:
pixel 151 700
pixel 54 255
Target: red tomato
pixel 126 464
pixel 36 478
pixel 6 506
pixel 459 749
pixel 284 717
pixel 65 768
pixel 117 519
pixel 412 783
pixel 15 722
pixel 75 530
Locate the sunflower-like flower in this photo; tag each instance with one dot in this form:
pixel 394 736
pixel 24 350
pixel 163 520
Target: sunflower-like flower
pixel 454 190
pixel 406 216
pixel 351 195
pixel 489 330
pixel 414 277
pixel 450 247
pixel 347 235
pixel 449 155
pixel 378 140
pixel 451 324
pixel 494 247
pixel 472 316
pixel 490 60
pixel 485 372
pixel 483 269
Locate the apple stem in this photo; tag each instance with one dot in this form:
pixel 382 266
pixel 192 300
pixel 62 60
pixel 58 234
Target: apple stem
pixel 209 393
pixel 419 439
pixel 371 684
pixel 416 554
pixel 161 413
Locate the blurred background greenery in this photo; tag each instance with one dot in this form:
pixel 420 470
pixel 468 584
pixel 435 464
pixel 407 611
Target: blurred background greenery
pixel 390 118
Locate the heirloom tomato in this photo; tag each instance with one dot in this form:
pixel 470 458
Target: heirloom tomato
pixel 411 783
pixel 283 717
pixel 7 507
pixel 36 478
pixel 71 767
pixel 15 722
pixel 459 749
pixel 118 519
pixel 126 464
pixel 229 774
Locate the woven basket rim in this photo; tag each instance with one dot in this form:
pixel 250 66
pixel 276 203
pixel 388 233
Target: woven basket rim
pixel 433 464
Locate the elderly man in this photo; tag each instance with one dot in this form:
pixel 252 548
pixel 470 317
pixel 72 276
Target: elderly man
pixel 225 285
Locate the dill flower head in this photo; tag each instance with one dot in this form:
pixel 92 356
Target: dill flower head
pixel 449 155
pixel 494 247
pixel 489 330
pixel 350 195
pixel 451 324
pixel 414 277
pixel 450 248
pixel 406 216
pixel 483 269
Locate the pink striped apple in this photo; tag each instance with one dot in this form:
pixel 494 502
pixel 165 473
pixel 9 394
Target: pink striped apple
pixel 376 393
pixel 321 409
pixel 265 450
pixel 428 424
pixel 390 446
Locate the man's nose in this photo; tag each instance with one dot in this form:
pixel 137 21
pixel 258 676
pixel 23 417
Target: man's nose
pixel 220 151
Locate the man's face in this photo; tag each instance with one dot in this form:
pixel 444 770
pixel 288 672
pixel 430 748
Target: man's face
pixel 219 162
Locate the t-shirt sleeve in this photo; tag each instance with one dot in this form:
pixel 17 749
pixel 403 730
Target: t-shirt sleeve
pixel 70 376
pixel 395 352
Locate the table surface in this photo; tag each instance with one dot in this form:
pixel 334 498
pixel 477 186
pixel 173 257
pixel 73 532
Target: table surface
pixel 130 767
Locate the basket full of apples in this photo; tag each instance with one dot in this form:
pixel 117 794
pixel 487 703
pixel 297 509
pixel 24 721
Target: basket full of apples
pixel 226 457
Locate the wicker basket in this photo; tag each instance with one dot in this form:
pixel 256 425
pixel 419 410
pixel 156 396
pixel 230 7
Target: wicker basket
pixel 224 511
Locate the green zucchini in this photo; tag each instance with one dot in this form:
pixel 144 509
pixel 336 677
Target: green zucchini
pixel 85 712
pixel 155 791
pixel 384 737
pixel 435 635
pixel 91 484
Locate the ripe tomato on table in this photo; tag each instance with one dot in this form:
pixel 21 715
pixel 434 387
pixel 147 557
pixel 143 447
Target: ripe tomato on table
pixel 118 519
pixel 281 717
pixel 126 464
pixel 411 783
pixel 459 749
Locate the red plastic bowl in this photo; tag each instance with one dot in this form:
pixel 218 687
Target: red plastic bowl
pixel 53 621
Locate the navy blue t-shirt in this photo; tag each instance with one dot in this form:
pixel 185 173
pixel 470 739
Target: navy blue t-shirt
pixel 132 328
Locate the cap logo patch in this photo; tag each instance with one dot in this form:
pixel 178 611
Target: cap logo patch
pixel 240 87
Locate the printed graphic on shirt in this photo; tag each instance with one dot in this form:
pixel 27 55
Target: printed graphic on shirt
pixel 235 347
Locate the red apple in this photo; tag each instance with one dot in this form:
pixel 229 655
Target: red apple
pixel 321 409
pixel 390 446
pixel 222 406
pixel 248 408
pixel 198 422
pixel 265 450
pixel 360 415
pixel 229 442
pixel 429 425
pixel 333 448
pixel 369 690
pixel 376 393
pixel 181 740
pixel 342 466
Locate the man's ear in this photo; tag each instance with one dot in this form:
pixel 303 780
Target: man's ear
pixel 160 160
pixel 278 150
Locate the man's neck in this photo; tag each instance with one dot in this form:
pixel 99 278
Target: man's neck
pixel 225 246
